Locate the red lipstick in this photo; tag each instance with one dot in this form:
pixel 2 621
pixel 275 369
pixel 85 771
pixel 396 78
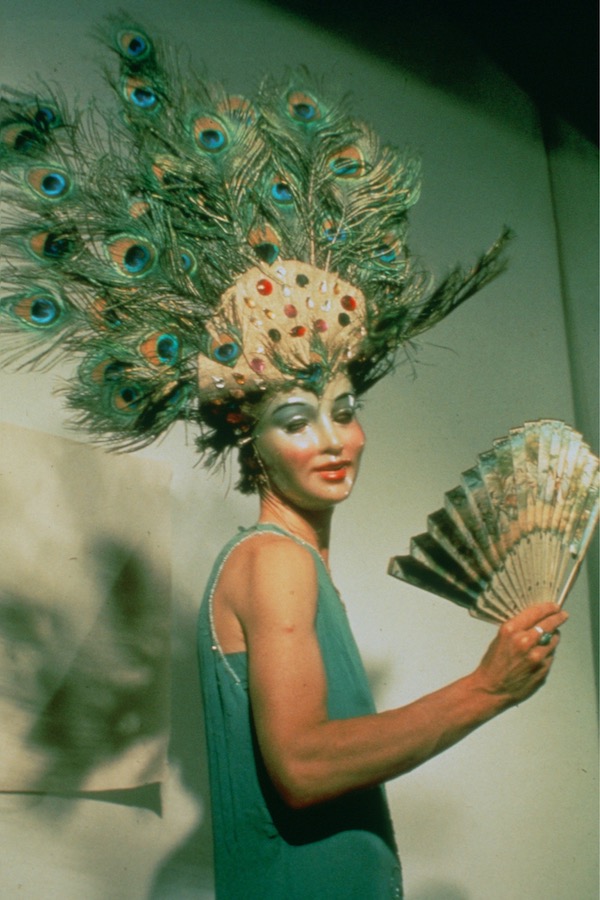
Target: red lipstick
pixel 334 471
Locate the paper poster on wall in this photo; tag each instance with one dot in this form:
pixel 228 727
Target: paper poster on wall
pixel 84 616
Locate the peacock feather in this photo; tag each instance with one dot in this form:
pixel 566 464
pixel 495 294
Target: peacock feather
pixel 198 240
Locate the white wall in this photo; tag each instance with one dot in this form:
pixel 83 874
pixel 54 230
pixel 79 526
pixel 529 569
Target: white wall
pixel 511 812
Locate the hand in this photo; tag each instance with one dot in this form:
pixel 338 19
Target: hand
pixel 516 664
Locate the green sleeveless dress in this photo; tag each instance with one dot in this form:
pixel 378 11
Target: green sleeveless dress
pixel 343 849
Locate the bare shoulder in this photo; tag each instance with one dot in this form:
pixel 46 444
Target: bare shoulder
pixel 269 574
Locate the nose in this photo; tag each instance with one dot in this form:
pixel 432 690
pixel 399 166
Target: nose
pixel 329 434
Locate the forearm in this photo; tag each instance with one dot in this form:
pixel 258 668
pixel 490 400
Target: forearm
pixel 312 758
pixel 336 756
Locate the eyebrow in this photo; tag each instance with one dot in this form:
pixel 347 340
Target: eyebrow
pixel 299 401
pixel 286 404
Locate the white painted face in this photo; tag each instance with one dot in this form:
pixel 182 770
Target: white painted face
pixel 310 447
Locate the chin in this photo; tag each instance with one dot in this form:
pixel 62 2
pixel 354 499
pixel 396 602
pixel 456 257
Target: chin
pixel 331 496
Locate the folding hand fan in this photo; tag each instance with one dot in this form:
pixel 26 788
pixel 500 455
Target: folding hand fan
pixel 516 530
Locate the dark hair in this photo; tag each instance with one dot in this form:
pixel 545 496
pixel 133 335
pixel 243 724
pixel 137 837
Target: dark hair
pixel 251 470
pixel 227 425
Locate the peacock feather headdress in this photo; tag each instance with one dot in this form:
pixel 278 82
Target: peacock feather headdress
pixel 201 248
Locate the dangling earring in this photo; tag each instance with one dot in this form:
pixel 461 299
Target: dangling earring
pixel 255 474
pixel 259 473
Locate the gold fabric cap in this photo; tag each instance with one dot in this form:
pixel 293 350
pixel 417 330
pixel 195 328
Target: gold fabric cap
pixel 290 322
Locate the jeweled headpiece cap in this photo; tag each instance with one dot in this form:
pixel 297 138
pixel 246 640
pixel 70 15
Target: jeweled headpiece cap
pixel 208 248
pixel 290 323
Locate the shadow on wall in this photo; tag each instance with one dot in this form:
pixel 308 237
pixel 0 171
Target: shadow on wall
pixel 84 620
pixel 86 711
pixel 188 873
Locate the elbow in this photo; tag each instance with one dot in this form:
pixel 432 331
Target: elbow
pixel 296 798
pixel 300 788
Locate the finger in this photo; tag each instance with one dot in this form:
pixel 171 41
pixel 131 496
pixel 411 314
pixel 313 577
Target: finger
pixel 551 623
pixel 542 631
pixel 531 616
pixel 542 651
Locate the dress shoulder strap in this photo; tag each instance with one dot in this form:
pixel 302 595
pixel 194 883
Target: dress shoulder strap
pixel 277 529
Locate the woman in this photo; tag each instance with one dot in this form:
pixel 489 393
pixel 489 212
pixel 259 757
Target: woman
pixel 243 265
pixel 297 751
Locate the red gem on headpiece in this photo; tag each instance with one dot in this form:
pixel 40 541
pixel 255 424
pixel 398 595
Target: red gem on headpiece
pixel 257 365
pixel 320 325
pixel 348 302
pixel 290 311
pixel 264 287
pixel 298 331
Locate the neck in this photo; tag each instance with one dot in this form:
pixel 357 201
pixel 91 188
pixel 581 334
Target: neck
pixel 312 526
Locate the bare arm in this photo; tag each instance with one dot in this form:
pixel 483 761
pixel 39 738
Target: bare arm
pixel 312 758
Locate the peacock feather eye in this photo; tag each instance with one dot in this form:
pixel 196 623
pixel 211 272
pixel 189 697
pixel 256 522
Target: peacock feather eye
pixel 187 261
pixel 177 396
pixel 57 246
pixel 210 135
pixel 132 256
pixel 333 232
pixel 144 97
pixel 347 163
pixel 46 117
pixel 38 309
pixel 140 94
pixel 52 245
pixel 138 207
pixel 161 349
pixel 312 375
pixel 114 369
pixel 225 350
pixel 20 138
pixel 123 392
pixel 126 398
pixel 239 108
pixel 107 370
pixel 167 348
pixel 51 184
pixel 387 252
pixel 266 243
pixel 43 311
pixel 267 252
pixel 282 193
pixel 302 107
pixel 133 45
pixel 161 169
